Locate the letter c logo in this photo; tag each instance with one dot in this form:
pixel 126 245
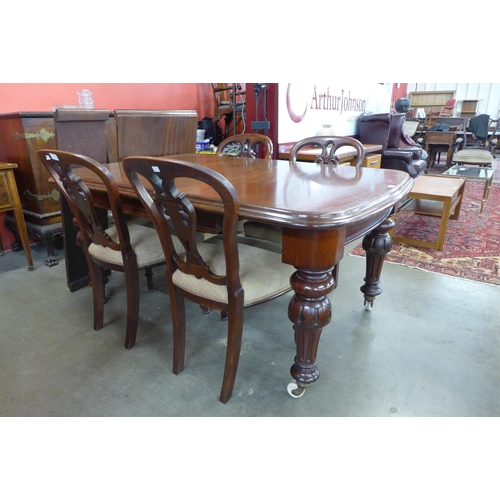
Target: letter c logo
pixel 295 117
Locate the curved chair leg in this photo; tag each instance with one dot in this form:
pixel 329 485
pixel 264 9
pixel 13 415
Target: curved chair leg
pixel 179 327
pixel 234 336
pixel 97 284
pixel 132 283
pixel 149 277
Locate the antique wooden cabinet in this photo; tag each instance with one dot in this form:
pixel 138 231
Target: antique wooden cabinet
pixel 21 136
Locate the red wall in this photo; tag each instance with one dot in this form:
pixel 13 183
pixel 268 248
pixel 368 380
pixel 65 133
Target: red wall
pixel 15 97
pixel 44 96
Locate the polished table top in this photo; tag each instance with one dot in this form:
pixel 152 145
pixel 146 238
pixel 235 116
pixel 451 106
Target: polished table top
pixel 302 196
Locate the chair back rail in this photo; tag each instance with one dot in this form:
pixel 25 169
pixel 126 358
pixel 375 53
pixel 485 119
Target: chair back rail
pixel 329 145
pixel 246 145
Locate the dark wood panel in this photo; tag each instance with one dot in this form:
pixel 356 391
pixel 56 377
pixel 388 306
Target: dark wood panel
pixel 155 133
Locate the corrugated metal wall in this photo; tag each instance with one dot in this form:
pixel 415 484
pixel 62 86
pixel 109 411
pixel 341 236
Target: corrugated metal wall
pixel 488 95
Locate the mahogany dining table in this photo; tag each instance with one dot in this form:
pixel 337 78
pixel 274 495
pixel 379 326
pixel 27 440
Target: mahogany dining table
pixel 320 209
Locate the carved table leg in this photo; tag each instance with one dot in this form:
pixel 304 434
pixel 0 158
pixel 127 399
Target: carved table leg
pixel 45 234
pixel 310 311
pixel 314 254
pixel 377 244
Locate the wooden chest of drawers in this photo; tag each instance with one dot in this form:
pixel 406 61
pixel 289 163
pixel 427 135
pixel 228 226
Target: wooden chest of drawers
pixel 372 161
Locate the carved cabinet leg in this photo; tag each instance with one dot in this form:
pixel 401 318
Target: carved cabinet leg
pixel 377 244
pixel 309 310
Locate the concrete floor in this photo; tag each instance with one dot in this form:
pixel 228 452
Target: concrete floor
pixel 430 347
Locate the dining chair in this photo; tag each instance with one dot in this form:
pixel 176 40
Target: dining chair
pixel 480 151
pixel 246 145
pixel 326 157
pixel 226 272
pixel 484 132
pixel 127 247
pixel 327 147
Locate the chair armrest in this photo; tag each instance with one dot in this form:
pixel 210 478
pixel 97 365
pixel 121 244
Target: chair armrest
pixel 399 154
pixel 416 151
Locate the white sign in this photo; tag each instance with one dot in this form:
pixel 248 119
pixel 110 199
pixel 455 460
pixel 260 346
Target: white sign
pixel 310 109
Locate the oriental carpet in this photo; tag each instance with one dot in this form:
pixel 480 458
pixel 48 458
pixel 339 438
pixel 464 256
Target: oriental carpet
pixel 472 245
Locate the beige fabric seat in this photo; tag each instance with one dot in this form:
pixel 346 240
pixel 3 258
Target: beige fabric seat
pixel 226 272
pixel 144 241
pixel 473 157
pixel 260 282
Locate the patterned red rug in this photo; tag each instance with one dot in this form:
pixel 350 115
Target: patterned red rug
pixel 472 244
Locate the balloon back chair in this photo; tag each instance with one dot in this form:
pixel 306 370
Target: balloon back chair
pixel 125 247
pixel 248 145
pixel 225 272
pixel 325 149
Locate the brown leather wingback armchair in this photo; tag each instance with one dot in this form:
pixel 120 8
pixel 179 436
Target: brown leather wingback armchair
pixel 399 152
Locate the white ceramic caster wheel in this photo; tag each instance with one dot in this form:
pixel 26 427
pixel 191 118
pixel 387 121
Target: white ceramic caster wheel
pixel 294 390
pixel 368 305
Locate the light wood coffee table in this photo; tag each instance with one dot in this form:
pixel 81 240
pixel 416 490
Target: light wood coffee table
pixel 436 195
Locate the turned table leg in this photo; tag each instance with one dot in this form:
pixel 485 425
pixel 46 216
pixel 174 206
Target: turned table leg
pixel 313 253
pixel 377 244
pixel 309 310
